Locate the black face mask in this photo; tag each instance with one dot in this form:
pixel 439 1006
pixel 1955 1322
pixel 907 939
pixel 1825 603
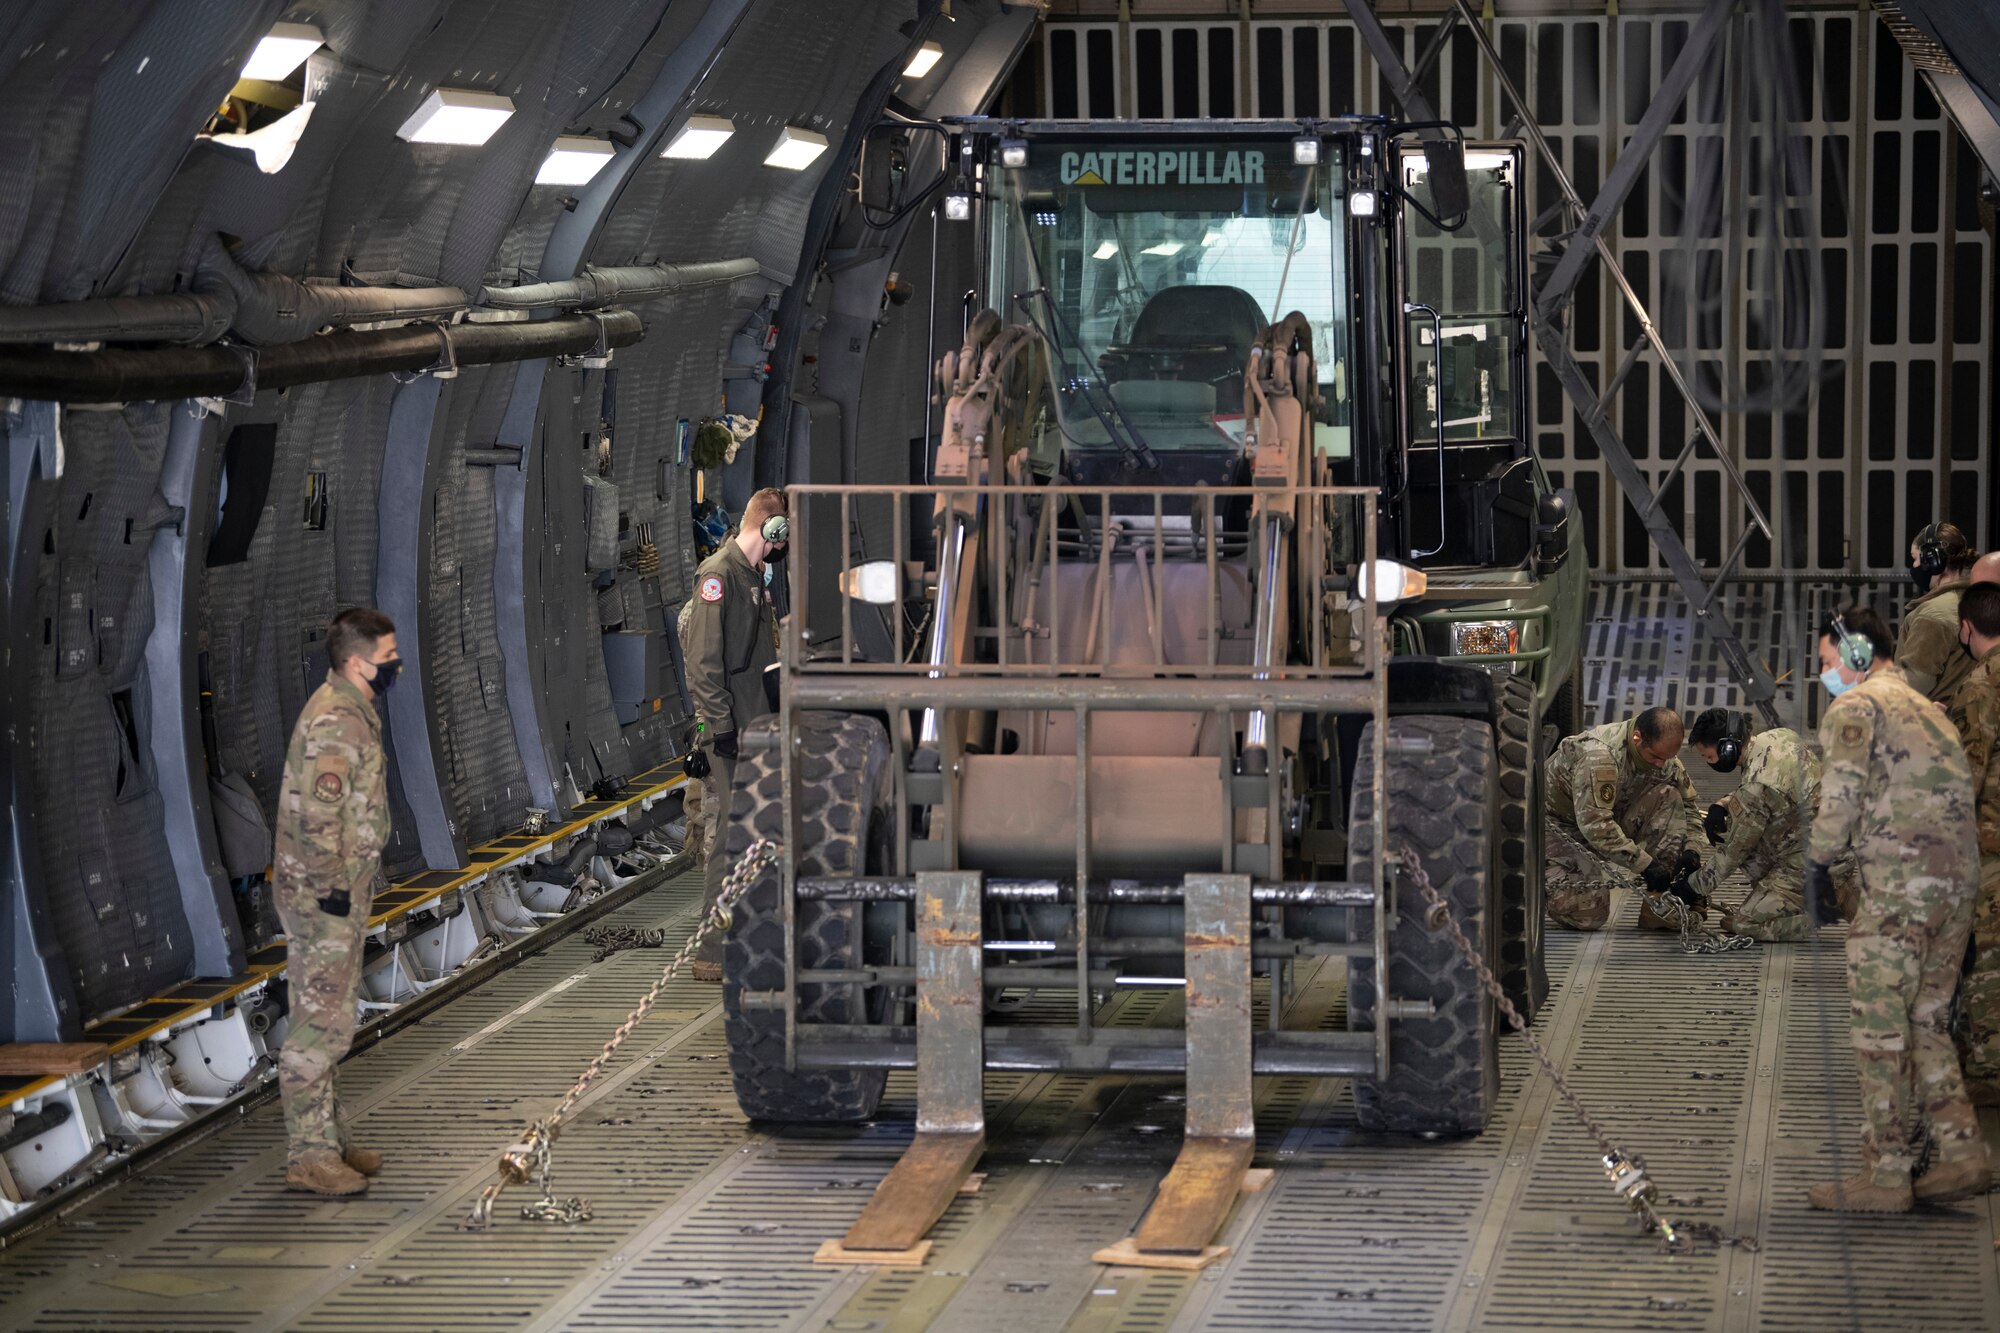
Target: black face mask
pixel 1725 763
pixel 1922 578
pixel 385 675
pixel 776 555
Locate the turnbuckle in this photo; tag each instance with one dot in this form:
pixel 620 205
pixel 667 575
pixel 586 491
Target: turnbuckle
pixel 1630 1182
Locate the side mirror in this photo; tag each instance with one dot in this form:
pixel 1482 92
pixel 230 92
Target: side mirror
pixel 1445 158
pixel 878 582
pixel 1552 518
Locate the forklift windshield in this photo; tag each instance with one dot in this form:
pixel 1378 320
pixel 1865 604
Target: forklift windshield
pixel 1150 267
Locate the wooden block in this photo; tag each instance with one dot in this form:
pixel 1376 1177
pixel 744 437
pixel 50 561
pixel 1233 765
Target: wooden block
pixel 977 1181
pixel 52 1057
pixel 833 1252
pixel 1127 1254
pixel 1256 1180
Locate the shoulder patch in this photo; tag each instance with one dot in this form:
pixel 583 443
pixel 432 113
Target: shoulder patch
pixel 1607 793
pixel 711 589
pixel 1851 733
pixel 328 787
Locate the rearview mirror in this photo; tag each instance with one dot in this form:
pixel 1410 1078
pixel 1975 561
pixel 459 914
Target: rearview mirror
pixel 1449 191
pixel 878 582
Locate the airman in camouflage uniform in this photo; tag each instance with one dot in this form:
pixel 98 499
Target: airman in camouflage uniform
pixel 1896 791
pixel 1764 825
pixel 731 636
pixel 333 819
pixel 1975 711
pixel 1618 802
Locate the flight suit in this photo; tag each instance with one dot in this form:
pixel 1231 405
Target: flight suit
pixel 732 635
pixel 698 798
pixel 1896 791
pixel 1975 711
pixel 1927 644
pixel 1606 817
pixel 1770 816
pixel 333 819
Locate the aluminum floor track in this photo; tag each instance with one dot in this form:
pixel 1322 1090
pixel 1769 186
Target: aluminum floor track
pixel 1730 1074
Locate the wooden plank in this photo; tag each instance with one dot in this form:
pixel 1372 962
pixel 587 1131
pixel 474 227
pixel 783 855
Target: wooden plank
pixel 1196 1196
pixel 915 1193
pixel 1127 1254
pixel 52 1057
pixel 833 1252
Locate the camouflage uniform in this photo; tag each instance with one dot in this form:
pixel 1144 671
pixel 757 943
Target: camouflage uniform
pixel 333 817
pixel 1975 711
pixel 1927 644
pixel 1895 790
pixel 698 798
pixel 1770 814
pixel 1608 817
pixel 731 636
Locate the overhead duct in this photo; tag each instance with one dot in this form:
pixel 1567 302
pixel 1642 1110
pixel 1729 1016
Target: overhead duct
pixel 147 374
pixel 596 287
pixel 223 297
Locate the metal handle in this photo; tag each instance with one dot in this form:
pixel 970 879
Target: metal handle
pixel 1437 379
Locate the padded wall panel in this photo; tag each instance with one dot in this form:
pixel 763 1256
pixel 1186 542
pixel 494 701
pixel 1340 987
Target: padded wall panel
pixel 96 812
pixel 96 111
pixel 481 768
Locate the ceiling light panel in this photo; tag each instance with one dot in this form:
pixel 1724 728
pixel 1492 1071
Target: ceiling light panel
pixel 282 50
pixel 796 149
pixel 573 160
pixel 923 60
pixel 700 137
pixel 457 116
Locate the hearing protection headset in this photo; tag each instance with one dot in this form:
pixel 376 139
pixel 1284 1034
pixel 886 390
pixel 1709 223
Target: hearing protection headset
pixel 1855 652
pixel 777 528
pixel 1930 551
pixel 1729 747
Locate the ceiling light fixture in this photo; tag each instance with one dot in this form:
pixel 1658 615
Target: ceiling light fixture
pixel 923 60
pixel 1105 250
pixel 574 160
pixel 796 149
pixel 282 50
pixel 700 137
pixel 1165 248
pixel 457 116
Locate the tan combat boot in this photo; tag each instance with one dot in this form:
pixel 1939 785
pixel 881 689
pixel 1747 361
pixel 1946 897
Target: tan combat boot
pixel 323 1173
pixel 1949 1181
pixel 1862 1195
pixel 363 1161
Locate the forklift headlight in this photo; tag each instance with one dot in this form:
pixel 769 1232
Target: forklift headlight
pixel 1362 203
pixel 878 582
pixel 1305 151
pixel 1014 153
pixel 1396 583
pixel 1485 638
pixel 958 206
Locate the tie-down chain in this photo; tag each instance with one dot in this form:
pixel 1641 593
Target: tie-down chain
pixel 530 1159
pixel 1625 1170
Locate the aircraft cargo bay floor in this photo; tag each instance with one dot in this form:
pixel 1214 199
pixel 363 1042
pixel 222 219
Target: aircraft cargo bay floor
pixel 1731 1074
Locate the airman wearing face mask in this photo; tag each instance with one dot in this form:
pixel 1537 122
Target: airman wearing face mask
pixel 1926 649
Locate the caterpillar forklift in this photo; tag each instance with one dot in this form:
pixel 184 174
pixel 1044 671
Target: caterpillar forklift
pixel 1233 575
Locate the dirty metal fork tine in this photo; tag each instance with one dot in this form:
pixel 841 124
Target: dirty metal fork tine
pixel 1197 1194
pixel 951 1106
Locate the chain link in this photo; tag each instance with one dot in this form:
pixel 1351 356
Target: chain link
pixel 1696 935
pixel 1625 1170
pixel 532 1157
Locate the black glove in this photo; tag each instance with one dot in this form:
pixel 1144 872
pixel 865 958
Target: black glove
pixel 724 744
pixel 1685 866
pixel 1820 904
pixel 1716 824
pixel 337 904
pixel 1658 875
pixel 695 765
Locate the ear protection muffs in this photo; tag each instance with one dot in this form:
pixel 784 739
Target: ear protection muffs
pixel 1930 552
pixel 777 528
pixel 1729 748
pixel 1855 652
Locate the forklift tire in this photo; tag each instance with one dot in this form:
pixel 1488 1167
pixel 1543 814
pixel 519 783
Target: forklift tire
pixel 1519 867
pixel 844 798
pixel 1442 788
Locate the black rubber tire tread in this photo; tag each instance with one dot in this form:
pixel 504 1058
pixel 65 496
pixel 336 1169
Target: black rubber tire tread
pixel 1518 867
pixel 1442 803
pixel 844 796
pixel 1565 710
